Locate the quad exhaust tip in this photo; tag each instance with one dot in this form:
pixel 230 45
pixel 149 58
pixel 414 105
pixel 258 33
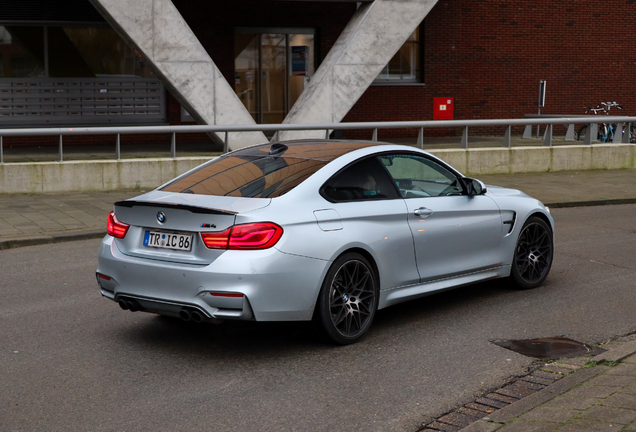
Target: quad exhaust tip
pixel 191 315
pixel 186 314
pixel 129 304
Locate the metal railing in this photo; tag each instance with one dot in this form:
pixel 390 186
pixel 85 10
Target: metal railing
pixel 568 122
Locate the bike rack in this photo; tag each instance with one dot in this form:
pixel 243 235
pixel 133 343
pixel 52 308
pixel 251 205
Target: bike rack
pixel 570 134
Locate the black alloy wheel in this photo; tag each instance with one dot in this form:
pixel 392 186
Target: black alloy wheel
pixel 533 254
pixel 348 300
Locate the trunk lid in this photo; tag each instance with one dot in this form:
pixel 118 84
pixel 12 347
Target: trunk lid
pixel 159 217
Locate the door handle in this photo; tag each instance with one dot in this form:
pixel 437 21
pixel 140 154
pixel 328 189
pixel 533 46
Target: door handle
pixel 423 212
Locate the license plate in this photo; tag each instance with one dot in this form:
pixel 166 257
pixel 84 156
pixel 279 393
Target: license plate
pixel 168 240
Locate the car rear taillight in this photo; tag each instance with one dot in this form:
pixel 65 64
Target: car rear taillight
pixel 115 228
pixel 216 240
pixel 261 235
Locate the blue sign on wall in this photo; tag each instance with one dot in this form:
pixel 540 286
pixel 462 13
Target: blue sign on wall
pixel 299 60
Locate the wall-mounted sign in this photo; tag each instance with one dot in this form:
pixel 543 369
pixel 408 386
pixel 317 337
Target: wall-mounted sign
pixel 299 60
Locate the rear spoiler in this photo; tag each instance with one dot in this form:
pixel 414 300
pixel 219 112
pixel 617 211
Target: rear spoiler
pixel 190 208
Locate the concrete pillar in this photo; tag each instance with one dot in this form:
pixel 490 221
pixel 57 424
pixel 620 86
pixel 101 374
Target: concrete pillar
pixel 168 45
pixel 372 37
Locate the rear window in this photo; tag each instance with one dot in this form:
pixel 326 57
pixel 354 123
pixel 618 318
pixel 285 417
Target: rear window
pixel 253 173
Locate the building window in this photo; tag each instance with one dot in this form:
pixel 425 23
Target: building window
pixel 21 59
pixel 67 75
pixel 66 52
pixel 405 66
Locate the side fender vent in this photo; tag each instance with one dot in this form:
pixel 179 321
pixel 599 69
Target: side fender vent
pixel 509 218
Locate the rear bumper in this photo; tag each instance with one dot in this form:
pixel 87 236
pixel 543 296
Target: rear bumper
pixel 275 286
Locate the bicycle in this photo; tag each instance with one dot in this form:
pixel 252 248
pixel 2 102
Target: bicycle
pixel 606 131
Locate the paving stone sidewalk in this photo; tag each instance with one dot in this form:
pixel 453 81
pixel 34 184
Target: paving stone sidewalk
pixel 600 396
pixel 44 218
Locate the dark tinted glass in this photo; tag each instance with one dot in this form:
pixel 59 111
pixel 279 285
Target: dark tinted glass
pixel 364 180
pixel 252 172
pixel 21 52
pixel 265 177
pixel 91 52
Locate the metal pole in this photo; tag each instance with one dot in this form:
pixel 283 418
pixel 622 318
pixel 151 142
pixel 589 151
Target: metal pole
pixel 420 139
pixel 61 157
pixel 1 153
pixel 547 136
pixel 618 133
pixel 590 135
pixel 226 144
pixel 506 142
pixel 117 148
pixel 464 143
pixel 541 103
pixel 173 146
pixel 375 135
pixel 327 134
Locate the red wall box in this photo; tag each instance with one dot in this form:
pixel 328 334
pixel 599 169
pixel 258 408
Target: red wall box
pixel 443 108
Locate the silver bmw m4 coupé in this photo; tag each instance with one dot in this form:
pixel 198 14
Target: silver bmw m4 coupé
pixel 321 230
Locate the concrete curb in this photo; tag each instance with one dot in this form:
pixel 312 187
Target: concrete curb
pixel 497 419
pixel 592 203
pixel 617 354
pixel 53 238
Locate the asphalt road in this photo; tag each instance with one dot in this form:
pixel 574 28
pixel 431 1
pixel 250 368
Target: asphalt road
pixel 71 360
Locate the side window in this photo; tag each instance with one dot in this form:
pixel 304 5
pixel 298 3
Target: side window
pixel 418 177
pixel 362 181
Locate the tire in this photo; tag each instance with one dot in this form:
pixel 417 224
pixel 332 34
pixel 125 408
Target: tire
pixel 600 133
pixel 580 135
pixel 533 254
pixel 583 131
pixel 348 300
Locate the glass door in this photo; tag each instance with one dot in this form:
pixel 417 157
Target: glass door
pixel 301 49
pixel 271 69
pixel 273 78
pixel 246 72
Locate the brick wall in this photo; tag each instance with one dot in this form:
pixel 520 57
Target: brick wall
pixel 490 55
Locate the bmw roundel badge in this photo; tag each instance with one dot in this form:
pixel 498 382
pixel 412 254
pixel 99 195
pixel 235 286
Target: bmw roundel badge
pixel 161 217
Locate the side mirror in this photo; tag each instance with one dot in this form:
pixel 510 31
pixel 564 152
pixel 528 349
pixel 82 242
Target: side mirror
pixel 474 187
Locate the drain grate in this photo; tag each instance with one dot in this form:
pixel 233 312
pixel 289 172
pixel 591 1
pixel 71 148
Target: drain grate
pixel 491 402
pixel 549 348
pixel 545 348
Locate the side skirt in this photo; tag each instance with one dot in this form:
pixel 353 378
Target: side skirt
pixel 401 294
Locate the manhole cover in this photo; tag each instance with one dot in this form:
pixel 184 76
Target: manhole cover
pixel 549 348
